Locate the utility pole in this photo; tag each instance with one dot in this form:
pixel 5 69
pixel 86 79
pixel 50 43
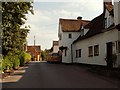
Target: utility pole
pixel 34 40
pixel 34 48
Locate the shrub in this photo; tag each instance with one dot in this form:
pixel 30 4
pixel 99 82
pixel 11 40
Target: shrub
pixel 27 57
pixel 43 55
pixel 21 57
pixel 24 58
pixel 16 62
pixel 6 63
pixel 1 63
pixel 10 62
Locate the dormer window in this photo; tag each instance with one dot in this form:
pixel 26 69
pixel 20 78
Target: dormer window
pixel 69 35
pixel 82 32
pixel 108 21
pixel 105 21
pixel 60 37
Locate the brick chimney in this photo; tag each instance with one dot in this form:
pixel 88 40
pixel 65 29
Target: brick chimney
pixel 79 17
pixel 106 2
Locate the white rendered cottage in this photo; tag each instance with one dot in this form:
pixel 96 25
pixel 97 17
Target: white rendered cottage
pixel 101 42
pixel 55 46
pixel 69 31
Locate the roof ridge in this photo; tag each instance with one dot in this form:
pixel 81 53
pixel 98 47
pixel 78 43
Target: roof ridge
pixel 74 19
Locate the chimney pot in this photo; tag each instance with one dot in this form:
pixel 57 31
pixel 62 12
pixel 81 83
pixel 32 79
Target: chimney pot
pixel 79 17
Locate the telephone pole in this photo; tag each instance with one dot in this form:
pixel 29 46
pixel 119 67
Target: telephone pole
pixel 34 40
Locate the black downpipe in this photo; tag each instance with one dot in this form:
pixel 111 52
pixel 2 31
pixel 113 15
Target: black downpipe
pixel 71 53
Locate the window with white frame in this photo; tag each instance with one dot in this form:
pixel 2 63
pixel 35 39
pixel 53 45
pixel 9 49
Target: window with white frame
pixel 105 21
pixel 96 50
pixel 78 53
pixel 69 35
pixel 119 47
pixel 60 37
pixel 108 21
pixel 90 51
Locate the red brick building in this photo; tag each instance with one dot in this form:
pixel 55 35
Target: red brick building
pixel 35 52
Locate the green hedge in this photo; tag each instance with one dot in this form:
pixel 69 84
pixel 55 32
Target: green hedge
pixel 27 57
pixel 24 58
pixel 7 63
pixel 21 57
pixel 14 61
pixel 1 63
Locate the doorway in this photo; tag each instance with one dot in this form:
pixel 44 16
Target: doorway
pixel 109 55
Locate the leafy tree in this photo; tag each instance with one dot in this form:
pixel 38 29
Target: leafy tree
pixel 13 17
pixel 43 55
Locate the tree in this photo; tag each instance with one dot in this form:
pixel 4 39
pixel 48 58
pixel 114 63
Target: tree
pixel 43 55
pixel 13 16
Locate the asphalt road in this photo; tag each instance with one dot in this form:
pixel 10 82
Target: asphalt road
pixel 47 75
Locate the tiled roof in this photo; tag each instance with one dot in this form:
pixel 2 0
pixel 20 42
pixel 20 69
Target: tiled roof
pixel 95 27
pixel 72 25
pixel 34 48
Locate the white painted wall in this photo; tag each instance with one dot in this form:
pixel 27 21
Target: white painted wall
pixel 65 41
pixel 55 49
pixel 101 40
pixel 117 12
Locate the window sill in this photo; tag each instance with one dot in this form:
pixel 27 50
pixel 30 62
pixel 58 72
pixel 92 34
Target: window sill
pixel 90 56
pixel 96 55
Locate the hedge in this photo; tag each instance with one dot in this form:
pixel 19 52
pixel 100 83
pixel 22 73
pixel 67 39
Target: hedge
pixel 24 58
pixel 7 63
pixel 14 61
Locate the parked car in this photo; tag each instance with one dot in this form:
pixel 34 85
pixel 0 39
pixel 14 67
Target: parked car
pixel 53 57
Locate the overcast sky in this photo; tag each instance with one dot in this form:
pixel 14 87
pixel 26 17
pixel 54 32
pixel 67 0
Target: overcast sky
pixel 44 22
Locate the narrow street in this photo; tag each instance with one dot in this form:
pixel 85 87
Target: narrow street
pixel 47 75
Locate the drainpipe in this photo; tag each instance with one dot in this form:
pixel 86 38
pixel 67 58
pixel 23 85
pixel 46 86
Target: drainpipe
pixel 71 54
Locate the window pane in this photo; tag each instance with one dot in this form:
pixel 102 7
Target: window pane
pixel 76 53
pixel 60 37
pixel 105 22
pixel 79 52
pixel 96 50
pixel 118 47
pixel 90 51
pixel 70 36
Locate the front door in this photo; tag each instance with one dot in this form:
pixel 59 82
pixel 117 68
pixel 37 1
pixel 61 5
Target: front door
pixel 109 55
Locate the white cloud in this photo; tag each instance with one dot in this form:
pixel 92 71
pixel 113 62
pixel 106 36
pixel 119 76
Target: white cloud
pixel 44 23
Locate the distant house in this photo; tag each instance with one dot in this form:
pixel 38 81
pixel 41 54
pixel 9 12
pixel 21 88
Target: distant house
pixel 101 44
pixel 55 46
pixel 35 52
pixel 69 30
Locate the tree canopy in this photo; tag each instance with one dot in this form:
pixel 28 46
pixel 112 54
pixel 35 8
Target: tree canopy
pixel 13 17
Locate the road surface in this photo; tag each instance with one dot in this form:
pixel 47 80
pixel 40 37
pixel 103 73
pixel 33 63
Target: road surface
pixel 47 75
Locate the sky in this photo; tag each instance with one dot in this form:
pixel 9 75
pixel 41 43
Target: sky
pixel 44 23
